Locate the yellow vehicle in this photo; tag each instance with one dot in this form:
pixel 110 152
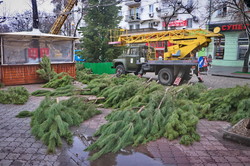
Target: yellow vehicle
pixel 176 63
pixel 55 29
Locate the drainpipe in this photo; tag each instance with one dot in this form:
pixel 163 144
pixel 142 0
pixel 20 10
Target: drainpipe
pixel 210 11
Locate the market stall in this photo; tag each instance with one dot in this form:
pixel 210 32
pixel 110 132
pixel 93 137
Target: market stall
pixel 21 53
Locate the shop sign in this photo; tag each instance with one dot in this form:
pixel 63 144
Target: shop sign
pixel 178 23
pixel 228 27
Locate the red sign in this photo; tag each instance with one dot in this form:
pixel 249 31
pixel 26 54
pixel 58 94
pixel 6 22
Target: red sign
pixel 33 53
pixel 228 27
pixel 44 51
pixel 178 23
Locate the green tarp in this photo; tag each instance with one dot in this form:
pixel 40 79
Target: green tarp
pixel 100 68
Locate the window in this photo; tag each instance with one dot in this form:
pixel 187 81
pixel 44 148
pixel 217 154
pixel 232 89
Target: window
pixel 223 11
pixel 30 51
pixel 219 45
pixel 137 26
pixel 189 22
pixel 242 45
pixel 150 25
pixel 131 27
pixel 134 13
pixel 151 9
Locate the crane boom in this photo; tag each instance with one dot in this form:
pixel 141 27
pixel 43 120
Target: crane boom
pixel 55 29
pixel 185 41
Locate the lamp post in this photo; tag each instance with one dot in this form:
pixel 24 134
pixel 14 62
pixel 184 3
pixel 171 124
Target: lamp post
pixel 35 14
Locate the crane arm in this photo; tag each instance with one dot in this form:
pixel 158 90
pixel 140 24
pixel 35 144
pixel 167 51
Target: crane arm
pixel 55 29
pixel 185 41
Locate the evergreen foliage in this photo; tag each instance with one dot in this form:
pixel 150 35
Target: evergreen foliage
pixel 229 104
pixel 163 115
pixel 14 95
pixel 84 76
pixel 59 80
pixel 145 111
pixel 46 72
pixel 24 114
pixel 68 90
pixel 99 19
pixel 41 92
pixel 51 120
pixel 1 85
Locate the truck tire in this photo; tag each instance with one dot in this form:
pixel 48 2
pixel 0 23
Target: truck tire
pixel 166 76
pixel 120 70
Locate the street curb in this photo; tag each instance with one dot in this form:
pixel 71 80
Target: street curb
pixel 232 76
pixel 235 137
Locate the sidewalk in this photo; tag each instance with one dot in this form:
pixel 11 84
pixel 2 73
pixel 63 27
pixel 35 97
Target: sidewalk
pixel 228 72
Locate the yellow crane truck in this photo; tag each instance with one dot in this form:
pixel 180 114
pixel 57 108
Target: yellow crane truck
pixel 178 59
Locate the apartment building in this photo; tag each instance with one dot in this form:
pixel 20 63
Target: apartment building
pixel 229 50
pixel 148 15
pixel 153 15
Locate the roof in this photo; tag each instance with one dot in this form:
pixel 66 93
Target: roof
pixel 37 33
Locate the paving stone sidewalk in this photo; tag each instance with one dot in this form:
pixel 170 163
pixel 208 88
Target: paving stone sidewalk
pixel 18 147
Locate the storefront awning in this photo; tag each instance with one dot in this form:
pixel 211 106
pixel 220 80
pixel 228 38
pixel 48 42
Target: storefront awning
pixel 38 34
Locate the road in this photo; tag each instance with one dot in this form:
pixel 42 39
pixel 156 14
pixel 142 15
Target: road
pixel 215 81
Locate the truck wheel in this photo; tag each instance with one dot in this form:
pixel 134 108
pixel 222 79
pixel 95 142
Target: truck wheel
pixel 120 70
pixel 166 76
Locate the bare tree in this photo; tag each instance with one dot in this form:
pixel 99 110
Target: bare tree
pixel 4 28
pixel 45 22
pixel 22 21
pixel 172 8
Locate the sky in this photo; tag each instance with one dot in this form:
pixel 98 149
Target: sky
pixel 14 6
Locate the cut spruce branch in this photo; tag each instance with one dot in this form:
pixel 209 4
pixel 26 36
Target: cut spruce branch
pixel 51 120
pixel 59 80
pixel 14 95
pixel 162 115
pixel 24 114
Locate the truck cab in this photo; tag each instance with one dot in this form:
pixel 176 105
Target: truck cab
pixel 132 59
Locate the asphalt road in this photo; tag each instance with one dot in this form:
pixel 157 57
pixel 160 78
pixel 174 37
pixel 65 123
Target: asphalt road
pixel 215 81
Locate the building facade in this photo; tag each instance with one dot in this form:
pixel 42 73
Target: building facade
pixel 229 50
pixel 154 15
pixel 151 16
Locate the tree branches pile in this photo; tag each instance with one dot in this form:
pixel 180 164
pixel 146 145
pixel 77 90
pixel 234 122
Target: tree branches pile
pixel 146 112
pixel 161 116
pixel 14 95
pixel 51 120
pixel 229 104
pixel 59 80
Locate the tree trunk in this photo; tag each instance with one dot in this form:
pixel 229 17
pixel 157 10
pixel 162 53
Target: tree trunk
pixel 246 57
pixel 248 124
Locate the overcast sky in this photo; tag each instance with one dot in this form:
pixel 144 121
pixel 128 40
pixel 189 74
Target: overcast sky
pixel 10 7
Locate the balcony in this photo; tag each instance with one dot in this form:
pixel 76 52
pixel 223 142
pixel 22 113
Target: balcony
pixel 132 18
pixel 132 3
pixel 165 12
